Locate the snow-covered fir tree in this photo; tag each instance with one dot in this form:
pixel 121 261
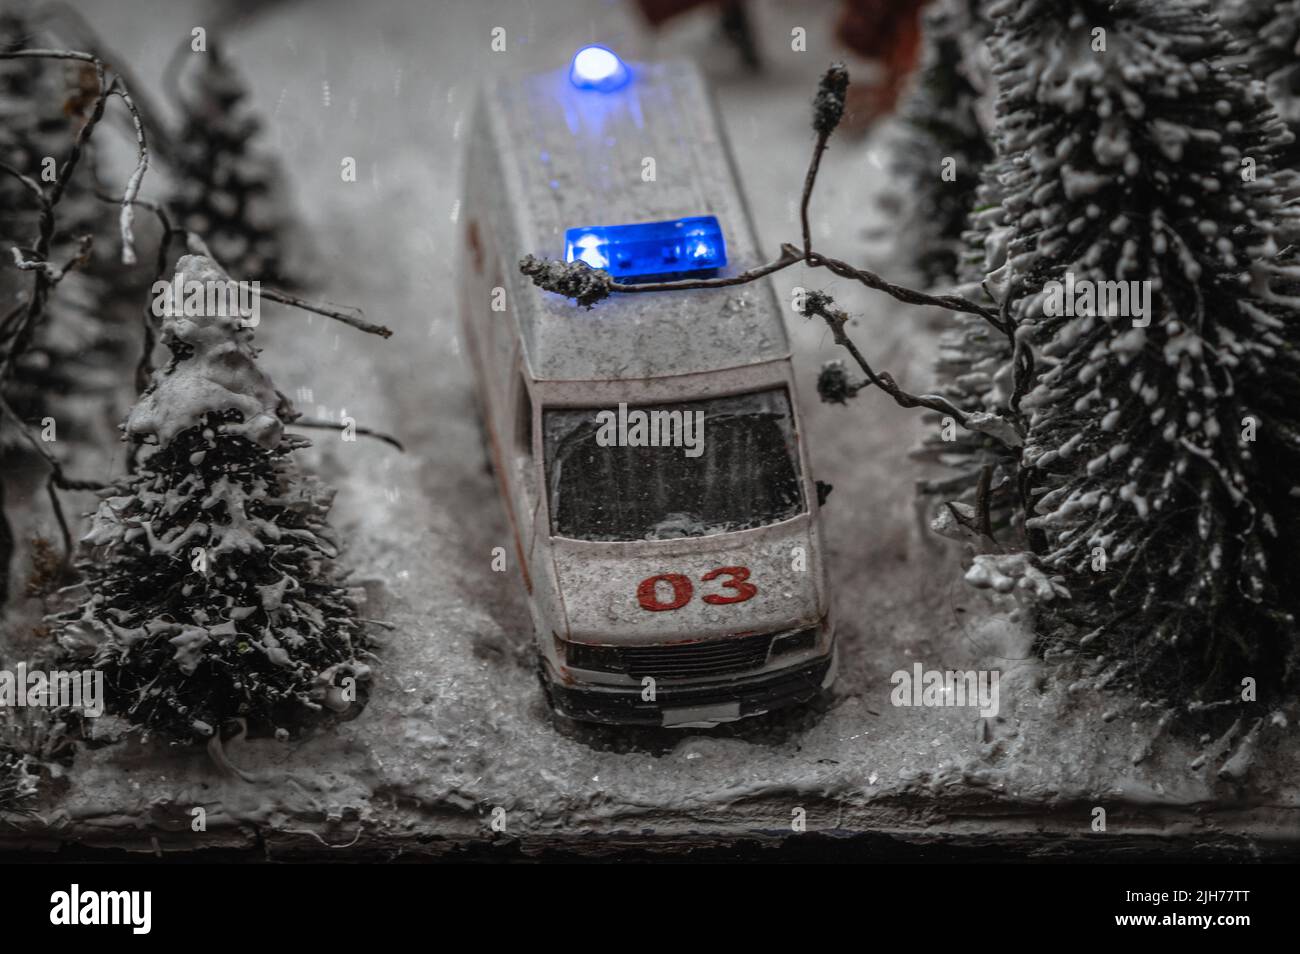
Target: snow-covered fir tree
pixel 942 145
pixel 1270 30
pixel 211 589
pixel 227 190
pixel 1163 447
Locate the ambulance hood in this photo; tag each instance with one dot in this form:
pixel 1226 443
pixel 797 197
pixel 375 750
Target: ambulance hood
pixel 629 593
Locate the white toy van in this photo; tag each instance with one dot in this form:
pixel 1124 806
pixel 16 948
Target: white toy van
pixel 648 450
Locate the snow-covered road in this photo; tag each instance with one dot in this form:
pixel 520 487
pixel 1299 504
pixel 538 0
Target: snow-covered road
pixel 456 723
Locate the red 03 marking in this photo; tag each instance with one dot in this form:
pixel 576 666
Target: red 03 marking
pixel 737 581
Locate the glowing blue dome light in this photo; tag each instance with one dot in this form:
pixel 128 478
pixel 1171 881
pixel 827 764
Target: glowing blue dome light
pixel 648 250
pixel 598 68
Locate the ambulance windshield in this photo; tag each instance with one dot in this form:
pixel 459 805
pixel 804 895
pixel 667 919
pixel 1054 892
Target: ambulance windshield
pixel 688 469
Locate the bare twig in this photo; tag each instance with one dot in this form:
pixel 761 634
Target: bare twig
pixel 164 220
pixel 57 480
pixel 901 293
pixel 49 54
pixel 810 179
pixel 45 277
pixel 61 480
pixel 106 89
pixel 323 424
pixel 35 305
pixel 828 110
pixel 87 128
pixel 132 190
pixel 84 36
pixel 64 530
pixel 54 273
pixel 30 184
pixel 144 366
pixel 196 245
pixel 789 256
pixel 11 315
pixel 355 318
pixel 308 831
pixel 818 304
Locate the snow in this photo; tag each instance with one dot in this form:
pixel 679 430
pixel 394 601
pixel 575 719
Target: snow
pixel 456 724
pixel 221 374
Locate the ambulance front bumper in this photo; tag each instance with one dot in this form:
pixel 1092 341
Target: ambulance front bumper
pixel 695 704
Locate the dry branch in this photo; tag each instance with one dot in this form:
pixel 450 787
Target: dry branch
pixel 322 424
pixel 106 89
pixel 354 317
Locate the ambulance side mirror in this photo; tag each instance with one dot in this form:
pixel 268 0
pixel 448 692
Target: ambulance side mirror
pixel 823 491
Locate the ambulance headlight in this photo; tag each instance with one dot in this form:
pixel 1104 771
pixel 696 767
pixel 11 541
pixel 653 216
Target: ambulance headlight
pixel 598 68
pixel 650 249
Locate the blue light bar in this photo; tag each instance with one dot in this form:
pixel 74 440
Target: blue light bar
pixel 649 249
pixel 599 68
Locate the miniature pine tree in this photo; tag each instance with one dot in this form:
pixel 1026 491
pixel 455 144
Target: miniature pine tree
pixel 212 592
pixel 228 191
pixel 1271 32
pixel 1162 450
pixel 943 146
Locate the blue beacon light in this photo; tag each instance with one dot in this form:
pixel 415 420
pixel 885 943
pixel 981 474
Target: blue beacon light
pixel 650 249
pixel 599 68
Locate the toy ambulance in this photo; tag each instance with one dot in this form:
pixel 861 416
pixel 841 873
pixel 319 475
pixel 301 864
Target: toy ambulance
pixel 648 450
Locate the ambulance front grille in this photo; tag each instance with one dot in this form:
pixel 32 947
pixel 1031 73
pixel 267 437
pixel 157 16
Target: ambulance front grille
pixel 694 660
pixel 718 657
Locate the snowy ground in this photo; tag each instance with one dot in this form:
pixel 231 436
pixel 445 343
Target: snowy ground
pixel 456 725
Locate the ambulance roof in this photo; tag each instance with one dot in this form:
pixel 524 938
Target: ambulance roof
pixel 571 157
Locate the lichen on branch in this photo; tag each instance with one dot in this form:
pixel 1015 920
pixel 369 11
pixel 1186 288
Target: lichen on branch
pixel 576 280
